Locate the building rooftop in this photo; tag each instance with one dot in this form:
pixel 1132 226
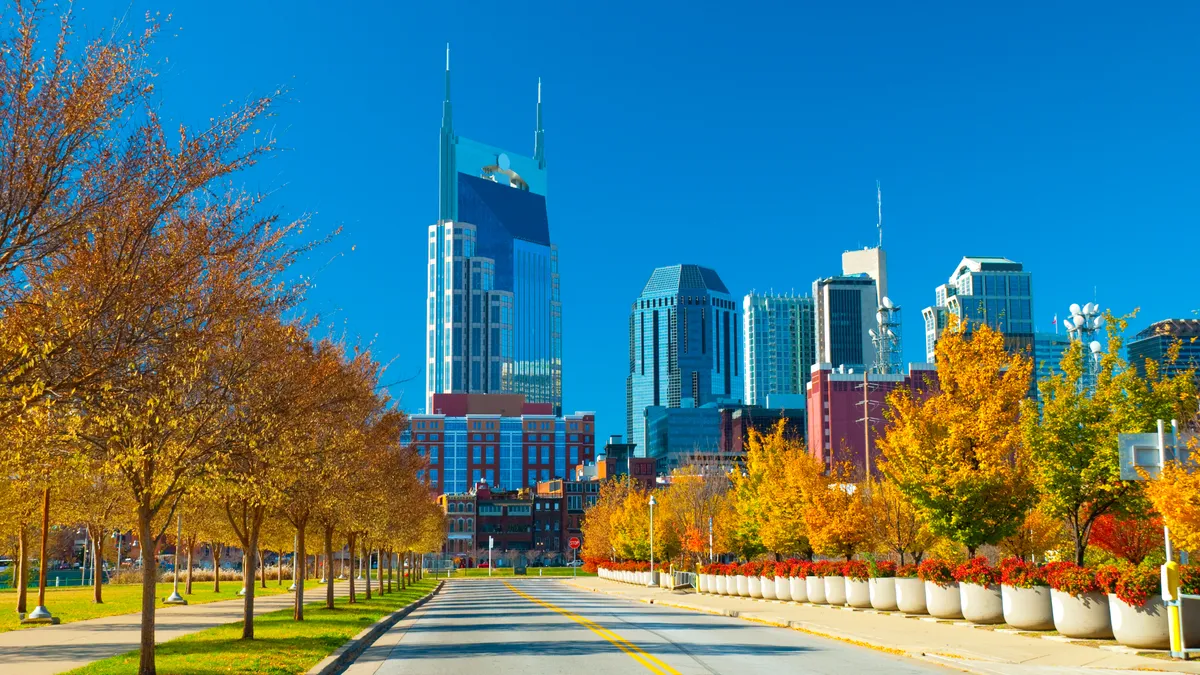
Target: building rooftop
pixel 665 280
pixel 985 263
pixel 1178 328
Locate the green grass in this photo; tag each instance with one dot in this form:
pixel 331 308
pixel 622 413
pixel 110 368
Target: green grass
pixel 280 645
pixel 529 572
pixel 75 604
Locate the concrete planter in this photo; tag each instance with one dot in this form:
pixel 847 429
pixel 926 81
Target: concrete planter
pixel 768 587
pixel 719 584
pixel 743 586
pixel 730 584
pixel 798 589
pixel 652 578
pixel 910 595
pixel 981 604
pixel 943 602
pixel 883 593
pixel 858 593
pixel 755 586
pixel 815 588
pixel 1081 616
pixel 835 590
pixel 1142 626
pixel 783 590
pixel 1027 608
pixel 702 583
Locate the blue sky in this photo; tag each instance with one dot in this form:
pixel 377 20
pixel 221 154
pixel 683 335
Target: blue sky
pixel 745 137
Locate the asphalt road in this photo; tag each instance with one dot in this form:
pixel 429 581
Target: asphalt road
pixel 542 627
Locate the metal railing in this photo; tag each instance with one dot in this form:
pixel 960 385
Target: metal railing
pixel 680 579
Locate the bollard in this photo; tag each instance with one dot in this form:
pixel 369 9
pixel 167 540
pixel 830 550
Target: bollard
pixel 1170 593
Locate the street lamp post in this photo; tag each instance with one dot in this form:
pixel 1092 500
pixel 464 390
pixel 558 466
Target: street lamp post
pixel 653 581
pixel 175 598
pixel 1083 325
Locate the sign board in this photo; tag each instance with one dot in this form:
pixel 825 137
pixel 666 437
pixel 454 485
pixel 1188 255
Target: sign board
pixel 573 542
pixel 1139 453
pixel 490 542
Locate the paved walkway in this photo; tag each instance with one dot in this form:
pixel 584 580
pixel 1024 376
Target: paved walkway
pixel 958 644
pixel 54 649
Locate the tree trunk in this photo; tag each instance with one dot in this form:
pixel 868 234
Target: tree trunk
pixel 149 576
pixel 379 568
pixel 191 544
pixel 248 568
pixel 297 555
pixel 22 573
pixel 216 556
pixel 970 552
pixel 98 566
pixel 329 566
pixel 262 562
pixel 350 553
pixel 366 560
pixel 389 563
pixel 43 560
pixel 403 570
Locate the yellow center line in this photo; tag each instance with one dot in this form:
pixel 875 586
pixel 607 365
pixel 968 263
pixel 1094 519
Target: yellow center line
pixel 652 664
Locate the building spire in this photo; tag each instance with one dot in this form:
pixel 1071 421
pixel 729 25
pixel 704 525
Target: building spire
pixel 447 177
pixel 539 135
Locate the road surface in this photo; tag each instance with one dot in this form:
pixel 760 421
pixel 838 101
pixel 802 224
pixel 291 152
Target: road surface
pixel 543 627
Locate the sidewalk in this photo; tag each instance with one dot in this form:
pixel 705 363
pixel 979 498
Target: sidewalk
pixel 955 644
pixel 54 649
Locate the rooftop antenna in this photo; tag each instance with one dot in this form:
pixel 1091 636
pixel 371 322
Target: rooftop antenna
pixel 879 207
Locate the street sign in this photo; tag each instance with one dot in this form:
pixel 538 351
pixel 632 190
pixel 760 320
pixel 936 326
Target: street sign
pixel 573 542
pixel 490 542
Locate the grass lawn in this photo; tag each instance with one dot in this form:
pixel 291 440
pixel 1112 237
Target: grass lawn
pixel 75 604
pixel 280 645
pixel 529 572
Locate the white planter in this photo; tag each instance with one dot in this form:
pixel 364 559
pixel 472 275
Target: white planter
pixel 798 589
pixel 1081 616
pixel 883 593
pixel 743 586
pixel 815 588
pixel 783 590
pixel 768 587
pixel 755 585
pixel 702 583
pixel 835 590
pixel 730 584
pixel 981 604
pixel 719 584
pixel 1027 608
pixel 1143 626
pixel 943 602
pixel 910 595
pixel 858 593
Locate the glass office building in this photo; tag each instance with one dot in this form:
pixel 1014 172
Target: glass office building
pixel 984 290
pixel 1155 342
pixel 1048 350
pixel 779 344
pixel 684 345
pixel 493 315
pixel 844 311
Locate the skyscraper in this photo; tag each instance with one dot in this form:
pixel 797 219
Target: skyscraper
pixel 684 332
pixel 1048 350
pixel 886 333
pixel 494 319
pixel 844 311
pixel 984 290
pixel 1154 344
pixel 779 344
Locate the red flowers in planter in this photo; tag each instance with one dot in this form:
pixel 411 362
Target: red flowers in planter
pixel 1020 574
pixel 882 569
pixel 1072 579
pixel 855 569
pixel 1107 577
pixel 800 569
pixel 1135 584
pixel 749 569
pixel 976 571
pixel 940 572
pixel 783 569
pixel 826 568
pixel 908 571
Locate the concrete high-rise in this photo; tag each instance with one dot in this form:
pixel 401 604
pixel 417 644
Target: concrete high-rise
pixel 779 344
pixel 844 309
pixel 984 290
pixel 493 315
pixel 684 337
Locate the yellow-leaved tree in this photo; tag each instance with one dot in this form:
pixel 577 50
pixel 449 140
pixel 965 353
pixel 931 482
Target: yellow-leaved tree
pixel 836 514
pixel 896 524
pixel 958 455
pixel 781 495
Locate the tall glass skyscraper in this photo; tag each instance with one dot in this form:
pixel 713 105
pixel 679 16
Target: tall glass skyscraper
pixel 494 318
pixel 993 291
pixel 779 345
pixel 684 333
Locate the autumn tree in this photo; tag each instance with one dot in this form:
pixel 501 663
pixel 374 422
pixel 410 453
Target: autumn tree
pixel 836 513
pixel 599 521
pixel 1073 443
pixel 782 528
pixel 896 524
pixel 1037 535
pixel 958 455
pixel 1175 494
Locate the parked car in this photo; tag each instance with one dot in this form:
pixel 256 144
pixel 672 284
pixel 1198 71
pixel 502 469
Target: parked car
pixel 575 563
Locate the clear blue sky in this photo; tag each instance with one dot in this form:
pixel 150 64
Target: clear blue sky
pixel 746 137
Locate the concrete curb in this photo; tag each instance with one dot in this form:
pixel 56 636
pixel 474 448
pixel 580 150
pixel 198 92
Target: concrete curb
pixel 345 655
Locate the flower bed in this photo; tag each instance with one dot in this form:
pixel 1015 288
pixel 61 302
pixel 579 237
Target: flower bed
pixel 1025 595
pixel 1079 604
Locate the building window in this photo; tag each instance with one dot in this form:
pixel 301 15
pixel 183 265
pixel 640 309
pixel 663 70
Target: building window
pixel 433 454
pixel 475 454
pixel 532 455
pixel 491 454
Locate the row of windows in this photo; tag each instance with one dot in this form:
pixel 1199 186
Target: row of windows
pixel 462 507
pixel 651 303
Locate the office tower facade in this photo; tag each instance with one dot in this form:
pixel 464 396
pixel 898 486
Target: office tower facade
pixel 1154 343
pixel 779 344
pixel 494 317
pixel 984 290
pixel 887 340
pixel 844 311
pixel 1048 350
pixel 500 440
pixel 684 345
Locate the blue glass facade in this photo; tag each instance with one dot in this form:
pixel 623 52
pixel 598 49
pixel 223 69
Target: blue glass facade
pixel 993 291
pixel 684 345
pixel 493 315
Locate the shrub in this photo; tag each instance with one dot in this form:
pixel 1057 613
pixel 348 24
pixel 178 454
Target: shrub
pixel 783 569
pixel 855 569
pixel 976 571
pixel 908 571
pixel 749 569
pixel 801 569
pixel 1073 580
pixel 940 572
pixel 1020 574
pixel 1107 577
pixel 1189 579
pixel 826 568
pixel 1135 584
pixel 1132 539
pixel 882 569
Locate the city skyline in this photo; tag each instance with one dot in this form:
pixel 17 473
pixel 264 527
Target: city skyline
pixel 1049 146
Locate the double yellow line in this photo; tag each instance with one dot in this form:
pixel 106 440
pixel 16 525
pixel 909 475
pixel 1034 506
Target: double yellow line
pixel 652 664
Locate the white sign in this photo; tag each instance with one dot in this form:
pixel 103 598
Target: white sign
pixel 1139 453
pixel 489 542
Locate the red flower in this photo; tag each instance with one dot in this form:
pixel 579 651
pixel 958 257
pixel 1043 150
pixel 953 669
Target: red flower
pixel 1135 584
pixel 907 571
pixel 782 569
pixel 1129 538
pixel 1020 574
pixel 883 569
pixel 940 572
pixel 826 568
pixel 800 569
pixel 1072 579
pixel 855 569
pixel 976 571
pixel 749 569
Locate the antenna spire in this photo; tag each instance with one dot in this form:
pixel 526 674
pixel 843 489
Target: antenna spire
pixel 539 135
pixel 879 207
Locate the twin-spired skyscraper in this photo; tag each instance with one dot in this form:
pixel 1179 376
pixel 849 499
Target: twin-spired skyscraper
pixel 494 318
